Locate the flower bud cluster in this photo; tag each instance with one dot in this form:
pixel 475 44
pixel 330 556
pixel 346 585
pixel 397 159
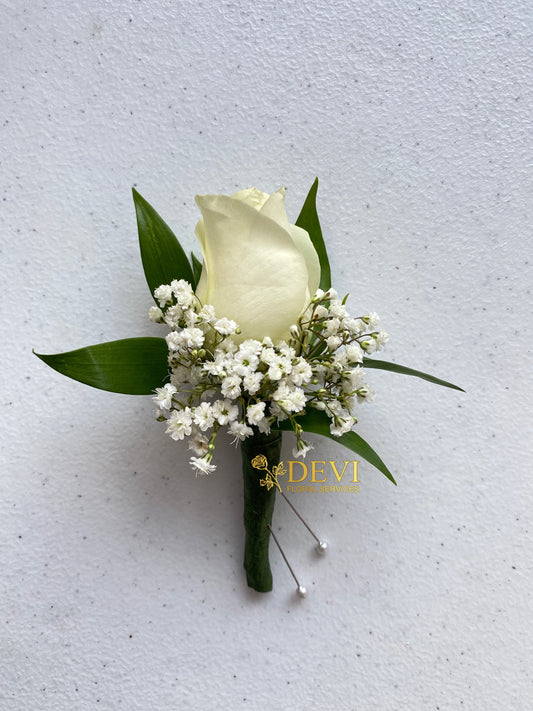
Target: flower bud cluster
pixel 219 382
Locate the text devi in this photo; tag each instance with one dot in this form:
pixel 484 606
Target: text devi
pixel 317 471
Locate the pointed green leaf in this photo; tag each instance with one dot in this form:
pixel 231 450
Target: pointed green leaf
pixel 196 269
pixel 308 220
pixel 162 255
pixel 135 366
pixel 395 368
pixel 318 422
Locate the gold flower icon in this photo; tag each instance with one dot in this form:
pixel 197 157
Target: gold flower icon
pixel 260 462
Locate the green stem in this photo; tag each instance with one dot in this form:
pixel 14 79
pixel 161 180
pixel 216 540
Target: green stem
pixel 258 508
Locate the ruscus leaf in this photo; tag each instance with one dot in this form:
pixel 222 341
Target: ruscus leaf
pixel 404 370
pixel 196 269
pixel 162 255
pixel 308 220
pixel 133 366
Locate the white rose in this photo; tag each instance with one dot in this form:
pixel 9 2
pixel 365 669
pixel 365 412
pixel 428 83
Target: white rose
pixel 258 269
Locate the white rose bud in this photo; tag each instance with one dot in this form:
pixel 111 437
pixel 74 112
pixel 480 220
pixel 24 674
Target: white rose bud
pixel 258 269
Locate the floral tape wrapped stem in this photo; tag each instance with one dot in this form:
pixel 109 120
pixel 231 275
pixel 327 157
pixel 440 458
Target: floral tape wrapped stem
pixel 259 503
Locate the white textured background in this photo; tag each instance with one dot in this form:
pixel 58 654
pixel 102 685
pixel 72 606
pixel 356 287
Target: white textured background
pixel 121 579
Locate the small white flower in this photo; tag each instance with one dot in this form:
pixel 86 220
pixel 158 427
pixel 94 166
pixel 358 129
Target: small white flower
pixel 290 399
pixel 219 366
pixel 173 340
pixel 163 294
pixel 340 359
pixel 341 425
pixel 269 356
pixel 381 339
pixel 351 379
pixel 369 346
pixel 252 383
pixel 202 465
pixel 183 292
pixel 302 448
pixel 372 320
pixel 225 326
pixel 207 314
pixel 318 404
pixel 240 430
pixel 199 444
pixel 280 366
pixel 330 327
pixel 164 396
pixel 255 413
pixel 225 412
pixel 155 314
pixel 192 337
pixel 203 416
pixel 264 424
pixel 365 394
pixel 333 342
pixel 244 362
pixel 190 317
pixel 231 387
pixel 301 372
pixel 354 353
pixel 336 308
pixel 227 346
pixel 173 316
pixel 354 326
pixel 179 423
pixel 286 351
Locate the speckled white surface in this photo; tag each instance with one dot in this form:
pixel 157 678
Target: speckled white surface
pixel 121 581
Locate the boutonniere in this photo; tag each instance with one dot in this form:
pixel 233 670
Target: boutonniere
pixel 255 342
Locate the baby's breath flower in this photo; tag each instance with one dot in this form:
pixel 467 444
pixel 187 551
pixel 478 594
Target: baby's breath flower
pixel 302 448
pixel 240 430
pixel 163 399
pixel 207 314
pixel 333 342
pixel 155 314
pixel 203 416
pixel 179 423
pixel 225 326
pixel 163 294
pixel 225 412
pixel 202 465
pixel 173 315
pixel 354 353
pixel 199 444
pixel 255 413
pixel 245 388
pixel 252 383
pixel 231 387
pixel 371 320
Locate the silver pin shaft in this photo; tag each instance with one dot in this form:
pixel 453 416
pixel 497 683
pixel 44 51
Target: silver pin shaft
pixel 302 592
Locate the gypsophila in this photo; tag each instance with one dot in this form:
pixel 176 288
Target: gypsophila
pixel 216 383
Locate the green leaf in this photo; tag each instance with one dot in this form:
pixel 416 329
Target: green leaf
pixel 196 269
pixel 308 220
pixel 395 368
pixel 135 366
pixel 318 422
pixel 162 255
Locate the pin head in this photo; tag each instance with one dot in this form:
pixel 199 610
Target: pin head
pixel 301 591
pixel 322 547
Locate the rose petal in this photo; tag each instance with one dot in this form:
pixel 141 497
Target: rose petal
pixel 259 277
